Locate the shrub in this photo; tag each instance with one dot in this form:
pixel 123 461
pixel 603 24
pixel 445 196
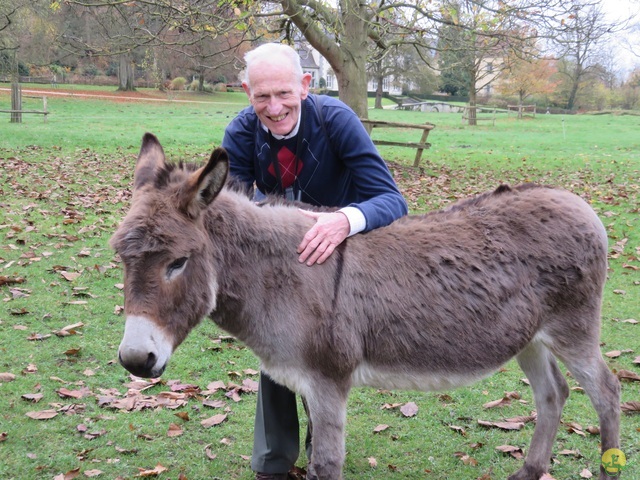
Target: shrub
pixel 178 83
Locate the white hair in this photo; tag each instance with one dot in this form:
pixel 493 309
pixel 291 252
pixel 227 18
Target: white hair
pixel 272 52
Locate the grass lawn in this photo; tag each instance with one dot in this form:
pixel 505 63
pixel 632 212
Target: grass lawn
pixel 66 184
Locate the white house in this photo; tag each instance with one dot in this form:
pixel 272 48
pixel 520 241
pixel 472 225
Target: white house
pixel 318 67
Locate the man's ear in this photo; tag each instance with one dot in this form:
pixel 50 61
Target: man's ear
pixel 247 89
pixel 306 81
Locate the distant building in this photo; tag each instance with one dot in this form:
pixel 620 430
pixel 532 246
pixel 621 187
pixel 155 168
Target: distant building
pixel 315 64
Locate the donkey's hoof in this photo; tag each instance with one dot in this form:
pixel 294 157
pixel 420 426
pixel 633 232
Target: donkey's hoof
pixel 527 472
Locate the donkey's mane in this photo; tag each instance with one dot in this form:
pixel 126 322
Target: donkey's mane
pixel 172 172
pixel 175 172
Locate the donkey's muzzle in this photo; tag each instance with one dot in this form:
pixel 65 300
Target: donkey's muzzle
pixel 148 369
pixel 145 349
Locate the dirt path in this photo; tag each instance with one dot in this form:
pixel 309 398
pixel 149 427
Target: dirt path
pixel 105 95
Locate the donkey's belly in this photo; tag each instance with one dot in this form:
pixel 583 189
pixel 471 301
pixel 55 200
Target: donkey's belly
pixel 368 375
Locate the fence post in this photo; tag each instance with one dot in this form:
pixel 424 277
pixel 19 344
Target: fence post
pixel 16 103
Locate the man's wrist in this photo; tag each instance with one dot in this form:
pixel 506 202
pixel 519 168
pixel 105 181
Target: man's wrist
pixel 357 222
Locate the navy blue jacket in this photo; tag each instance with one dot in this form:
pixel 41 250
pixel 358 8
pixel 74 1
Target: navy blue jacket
pixel 340 166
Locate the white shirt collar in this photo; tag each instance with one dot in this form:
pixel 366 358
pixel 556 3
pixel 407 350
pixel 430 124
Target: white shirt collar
pixel 291 134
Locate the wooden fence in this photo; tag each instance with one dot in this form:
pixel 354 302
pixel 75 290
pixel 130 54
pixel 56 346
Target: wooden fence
pixel 16 110
pixel 420 146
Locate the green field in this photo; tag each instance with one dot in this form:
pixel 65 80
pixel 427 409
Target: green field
pixel 66 184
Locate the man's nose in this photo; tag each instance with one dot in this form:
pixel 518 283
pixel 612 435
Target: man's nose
pixel 274 106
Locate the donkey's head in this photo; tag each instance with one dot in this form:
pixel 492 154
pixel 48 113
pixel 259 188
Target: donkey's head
pixel 168 275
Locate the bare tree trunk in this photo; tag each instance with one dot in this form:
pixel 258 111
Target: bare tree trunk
pixel 379 92
pixel 126 74
pixel 472 115
pixel 520 104
pixel 575 83
pixel 348 58
pixel 16 103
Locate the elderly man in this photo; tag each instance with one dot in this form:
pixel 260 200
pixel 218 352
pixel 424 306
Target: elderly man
pixel 314 149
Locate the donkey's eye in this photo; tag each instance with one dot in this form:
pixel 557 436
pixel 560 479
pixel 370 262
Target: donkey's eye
pixel 176 267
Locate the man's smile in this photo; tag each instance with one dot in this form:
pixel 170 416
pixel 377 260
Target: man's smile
pixel 279 118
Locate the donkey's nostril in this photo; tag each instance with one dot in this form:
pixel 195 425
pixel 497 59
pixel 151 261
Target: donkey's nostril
pixel 151 361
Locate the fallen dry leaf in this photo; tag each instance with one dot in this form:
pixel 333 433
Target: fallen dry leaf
pixel 630 407
pixel 586 473
pixel 214 403
pixel 593 430
pixel 380 428
pixel 33 397
pixel 466 459
pixel 515 452
pixel 183 416
pixel 576 428
pixel 174 430
pixel 3 436
pixel 213 421
pixel 7 377
pixel 42 414
pixel 68 330
pixel 70 475
pixel 628 376
pixel 210 455
pixel 69 276
pixel 152 473
pixel 93 473
pixel 573 453
pixel 66 393
pixel 502 425
pixel 409 409
pixel 37 337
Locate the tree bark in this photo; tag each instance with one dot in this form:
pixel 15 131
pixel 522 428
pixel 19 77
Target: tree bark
pixel 16 103
pixel 126 74
pixel 379 92
pixel 575 84
pixel 472 114
pixel 348 58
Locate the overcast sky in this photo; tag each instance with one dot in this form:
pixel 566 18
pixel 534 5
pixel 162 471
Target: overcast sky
pixel 626 45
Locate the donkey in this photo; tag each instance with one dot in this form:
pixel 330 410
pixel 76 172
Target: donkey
pixel 430 302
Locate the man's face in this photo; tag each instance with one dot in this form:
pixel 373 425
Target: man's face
pixel 276 96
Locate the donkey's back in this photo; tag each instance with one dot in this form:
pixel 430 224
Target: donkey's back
pixel 439 300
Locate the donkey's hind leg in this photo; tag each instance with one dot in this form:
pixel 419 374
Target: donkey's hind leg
pixel 550 390
pixel 603 389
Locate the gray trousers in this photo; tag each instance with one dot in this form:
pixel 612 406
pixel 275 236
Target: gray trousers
pixel 276 434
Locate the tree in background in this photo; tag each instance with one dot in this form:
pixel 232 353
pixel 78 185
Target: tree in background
pixel 581 31
pixel 475 39
pixel 203 31
pixel 524 77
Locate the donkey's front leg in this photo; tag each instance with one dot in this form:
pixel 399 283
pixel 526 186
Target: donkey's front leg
pixel 327 403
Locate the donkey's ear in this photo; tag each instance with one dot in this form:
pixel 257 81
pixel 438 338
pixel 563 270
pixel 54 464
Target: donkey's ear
pixel 150 159
pixel 205 184
pixel 214 175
